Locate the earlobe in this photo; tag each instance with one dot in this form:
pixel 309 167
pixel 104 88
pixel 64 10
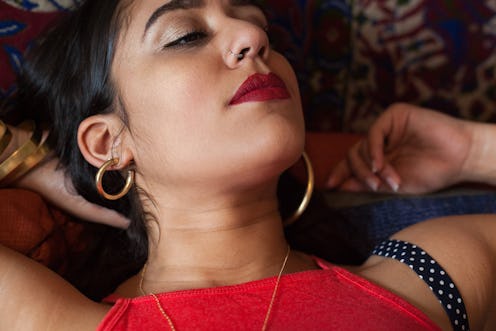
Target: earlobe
pixel 99 140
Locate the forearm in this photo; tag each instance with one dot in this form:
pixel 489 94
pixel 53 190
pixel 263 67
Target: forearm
pixel 480 164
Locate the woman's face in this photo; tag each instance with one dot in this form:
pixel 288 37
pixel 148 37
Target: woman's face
pixel 178 78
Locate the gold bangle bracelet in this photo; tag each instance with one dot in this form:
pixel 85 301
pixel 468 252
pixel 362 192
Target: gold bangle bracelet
pixel 29 163
pixel 23 152
pixel 5 137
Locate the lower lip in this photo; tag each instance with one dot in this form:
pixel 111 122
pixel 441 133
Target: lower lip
pixel 265 94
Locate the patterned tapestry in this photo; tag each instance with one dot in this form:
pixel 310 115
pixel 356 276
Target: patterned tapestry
pixel 439 54
pixel 315 37
pixel 20 22
pixel 353 58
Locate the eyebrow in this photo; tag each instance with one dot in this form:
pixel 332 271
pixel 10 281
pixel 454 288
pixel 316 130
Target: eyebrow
pixel 185 4
pixel 170 6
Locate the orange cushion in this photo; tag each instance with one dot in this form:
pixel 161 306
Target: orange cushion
pixel 32 227
pixel 325 150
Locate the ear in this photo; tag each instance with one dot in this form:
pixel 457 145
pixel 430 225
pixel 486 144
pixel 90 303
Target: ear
pixel 101 138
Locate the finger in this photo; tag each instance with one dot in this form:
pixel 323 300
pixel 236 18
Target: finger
pixel 366 156
pixel 353 185
pixel 79 207
pixel 375 148
pixel 338 175
pixel 389 175
pixel 378 133
pixel 98 214
pixel 76 205
pixel 361 169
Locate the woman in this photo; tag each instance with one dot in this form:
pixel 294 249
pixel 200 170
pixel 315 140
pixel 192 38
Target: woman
pixel 187 100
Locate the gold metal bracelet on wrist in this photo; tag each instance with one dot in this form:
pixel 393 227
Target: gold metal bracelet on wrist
pixel 5 136
pixel 22 153
pixel 29 163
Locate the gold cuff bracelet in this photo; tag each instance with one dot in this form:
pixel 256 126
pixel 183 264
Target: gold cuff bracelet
pixel 21 154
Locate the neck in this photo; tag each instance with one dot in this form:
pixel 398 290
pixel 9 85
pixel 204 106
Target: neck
pixel 207 247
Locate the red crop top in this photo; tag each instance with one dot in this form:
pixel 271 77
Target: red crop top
pixel 327 299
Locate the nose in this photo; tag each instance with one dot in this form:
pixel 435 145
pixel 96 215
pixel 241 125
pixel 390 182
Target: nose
pixel 247 41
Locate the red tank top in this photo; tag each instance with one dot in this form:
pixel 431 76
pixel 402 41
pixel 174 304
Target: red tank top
pixel 327 299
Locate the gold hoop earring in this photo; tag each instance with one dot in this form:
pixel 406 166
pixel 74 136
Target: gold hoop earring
pixel 308 192
pixel 99 179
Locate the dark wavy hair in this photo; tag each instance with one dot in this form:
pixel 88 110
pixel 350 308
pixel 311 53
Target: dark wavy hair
pixel 66 78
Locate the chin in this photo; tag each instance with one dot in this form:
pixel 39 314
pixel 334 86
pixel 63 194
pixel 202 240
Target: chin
pixel 283 154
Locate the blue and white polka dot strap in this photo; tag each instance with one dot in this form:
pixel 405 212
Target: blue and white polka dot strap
pixel 430 272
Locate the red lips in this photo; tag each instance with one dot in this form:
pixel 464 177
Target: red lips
pixel 260 87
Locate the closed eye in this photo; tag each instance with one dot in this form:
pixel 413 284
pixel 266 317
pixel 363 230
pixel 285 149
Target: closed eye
pixel 189 39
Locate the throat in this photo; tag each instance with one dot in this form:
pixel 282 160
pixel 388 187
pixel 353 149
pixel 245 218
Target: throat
pixel 214 256
pixel 203 257
pixel 209 281
pixel 180 280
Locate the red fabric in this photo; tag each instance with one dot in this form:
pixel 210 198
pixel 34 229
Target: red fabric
pixel 32 227
pixel 328 299
pixel 28 26
pixel 325 150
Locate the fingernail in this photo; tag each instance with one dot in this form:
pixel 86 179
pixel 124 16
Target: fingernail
pixel 374 186
pixel 394 186
pixel 374 167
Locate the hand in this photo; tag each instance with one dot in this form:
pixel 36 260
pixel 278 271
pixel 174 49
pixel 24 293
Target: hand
pixel 55 187
pixel 408 150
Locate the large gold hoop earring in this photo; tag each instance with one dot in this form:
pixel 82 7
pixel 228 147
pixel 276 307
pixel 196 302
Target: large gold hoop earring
pixel 99 179
pixel 308 192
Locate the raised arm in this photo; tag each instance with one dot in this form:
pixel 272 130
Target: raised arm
pixel 34 298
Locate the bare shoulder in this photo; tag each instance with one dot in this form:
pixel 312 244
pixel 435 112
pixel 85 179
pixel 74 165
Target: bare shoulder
pixel 40 299
pixel 465 247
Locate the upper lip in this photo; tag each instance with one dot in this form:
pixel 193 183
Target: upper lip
pixel 257 81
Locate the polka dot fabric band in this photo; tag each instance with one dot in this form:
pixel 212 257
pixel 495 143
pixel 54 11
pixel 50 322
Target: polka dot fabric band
pixel 432 274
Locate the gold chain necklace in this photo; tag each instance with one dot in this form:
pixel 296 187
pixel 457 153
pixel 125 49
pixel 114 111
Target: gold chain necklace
pixel 267 315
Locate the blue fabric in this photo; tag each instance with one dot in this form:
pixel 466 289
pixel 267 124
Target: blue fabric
pixel 382 219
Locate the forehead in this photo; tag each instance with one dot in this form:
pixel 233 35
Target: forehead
pixel 134 16
pixel 145 12
pixel 138 15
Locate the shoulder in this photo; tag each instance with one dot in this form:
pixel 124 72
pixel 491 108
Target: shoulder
pixel 464 247
pixel 40 299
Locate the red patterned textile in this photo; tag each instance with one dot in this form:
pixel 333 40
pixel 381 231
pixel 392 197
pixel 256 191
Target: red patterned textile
pixel 439 54
pixel 18 27
pixel 32 227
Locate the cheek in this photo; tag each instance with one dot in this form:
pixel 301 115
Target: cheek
pixel 182 131
pixel 169 115
pixel 158 91
pixel 283 68
pixel 166 98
